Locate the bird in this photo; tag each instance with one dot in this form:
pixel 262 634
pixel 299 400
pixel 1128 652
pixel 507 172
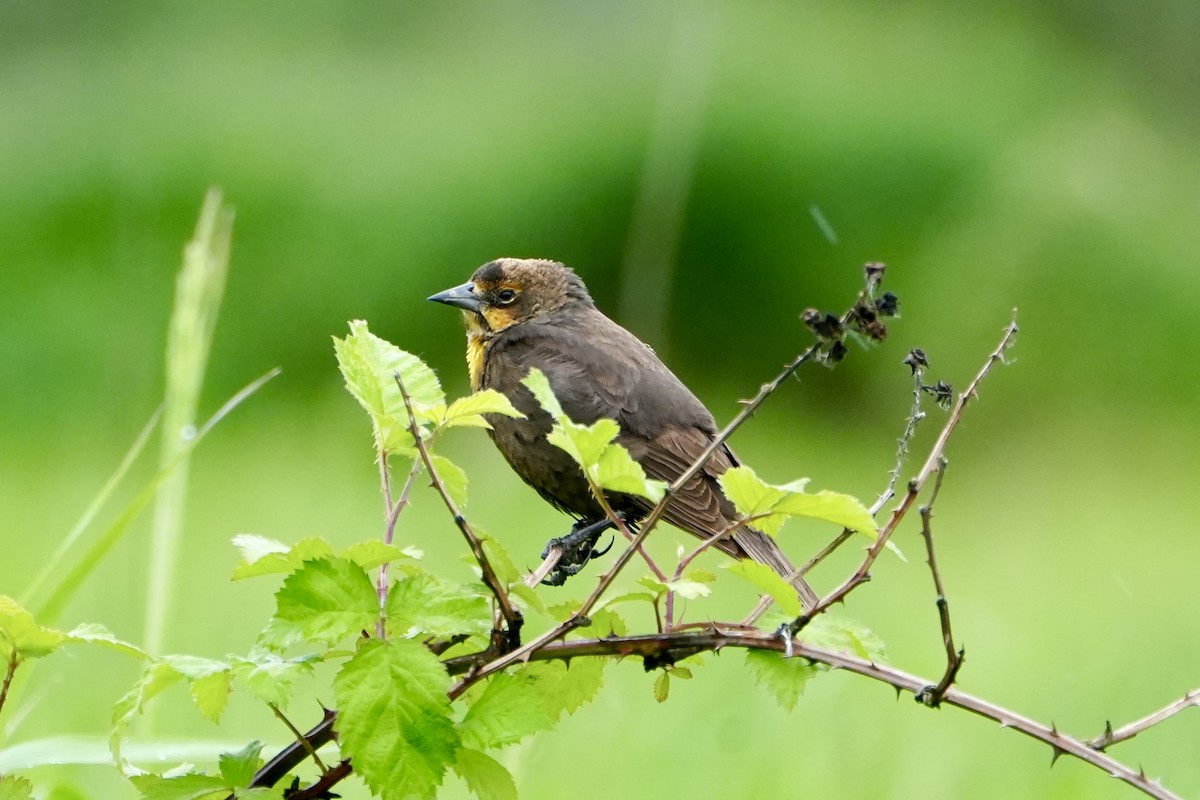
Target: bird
pixel 522 314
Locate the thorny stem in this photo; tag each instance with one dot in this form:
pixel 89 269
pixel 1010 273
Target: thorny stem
pixel 14 661
pixel 392 515
pixel 512 617
pixel 932 695
pixel 915 416
pixel 1127 732
pixel 664 647
pixel 862 574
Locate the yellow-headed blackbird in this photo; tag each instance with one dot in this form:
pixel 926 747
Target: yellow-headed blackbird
pixel 524 313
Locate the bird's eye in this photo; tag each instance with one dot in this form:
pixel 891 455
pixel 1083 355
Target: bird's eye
pixel 505 296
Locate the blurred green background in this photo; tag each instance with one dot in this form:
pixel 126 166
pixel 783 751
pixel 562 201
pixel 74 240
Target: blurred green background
pixel 1032 155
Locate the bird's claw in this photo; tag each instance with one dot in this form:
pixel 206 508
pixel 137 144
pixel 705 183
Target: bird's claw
pixel 578 548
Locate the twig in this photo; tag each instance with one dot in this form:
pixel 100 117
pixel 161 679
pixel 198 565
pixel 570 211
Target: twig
pixel 862 574
pixel 392 512
pixel 915 416
pixel 748 410
pixel 300 738
pixel 932 695
pixel 666 647
pixel 553 556
pixel 13 662
pixel 512 617
pixel 1127 732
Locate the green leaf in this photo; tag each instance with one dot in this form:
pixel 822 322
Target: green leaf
pixel 156 677
pixel 192 786
pixel 209 682
pixel 211 694
pixel 502 563
pixel 784 677
pixel 453 477
pixel 324 601
pixel 467 411
pixel 484 776
pixel 14 788
pixel 769 506
pixel 262 556
pixel 20 633
pixel 394 718
pixel 662 686
pixel 607 464
pixel 91 633
pixel 427 605
pixel 618 472
pixel 368 365
pixel 372 553
pixel 565 688
pixel 842 635
pixel 238 768
pixel 771 582
pixel 506 712
pixel 270 677
pixel 689 589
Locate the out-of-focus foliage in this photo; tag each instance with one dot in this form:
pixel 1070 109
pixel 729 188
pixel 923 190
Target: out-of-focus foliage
pixel 711 169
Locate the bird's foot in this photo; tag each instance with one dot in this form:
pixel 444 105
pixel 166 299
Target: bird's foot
pixel 578 548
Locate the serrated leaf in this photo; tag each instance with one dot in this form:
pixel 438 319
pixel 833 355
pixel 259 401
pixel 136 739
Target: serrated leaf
pixel 842 635
pixel 537 383
pixel 453 477
pixel 424 604
pixel 502 563
pixel 209 681
pixel 324 601
pixel 633 597
pixel 394 718
pixel 238 768
pixel 14 788
pixel 369 365
pixel 784 677
pixel 91 633
pixel 508 710
pixel 156 677
pixel 282 561
pixel 270 677
pixel 770 506
pixel 607 464
pixel 192 786
pixel 20 633
pixel 618 472
pixel 565 688
pixel 372 553
pixel 689 589
pixel 468 411
pixel 840 509
pixel 603 622
pixel 211 694
pixel 771 582
pixel 485 777
pixel 662 686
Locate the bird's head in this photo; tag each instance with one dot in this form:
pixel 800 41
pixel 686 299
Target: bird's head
pixel 509 291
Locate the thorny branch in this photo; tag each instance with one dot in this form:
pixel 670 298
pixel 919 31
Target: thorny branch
pixel 862 574
pixel 670 646
pixel 1127 732
pixel 932 695
pixel 511 636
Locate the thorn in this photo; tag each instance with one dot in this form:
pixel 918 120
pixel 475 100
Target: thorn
pixel 1058 752
pixel 1142 773
pixel 1054 730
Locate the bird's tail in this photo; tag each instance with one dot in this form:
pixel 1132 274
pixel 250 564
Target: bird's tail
pixel 762 548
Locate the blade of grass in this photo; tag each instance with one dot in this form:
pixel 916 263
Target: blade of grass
pixel 48 612
pixel 198 292
pixel 93 508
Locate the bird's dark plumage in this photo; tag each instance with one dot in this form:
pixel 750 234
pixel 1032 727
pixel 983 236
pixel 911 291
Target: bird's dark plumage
pixel 525 313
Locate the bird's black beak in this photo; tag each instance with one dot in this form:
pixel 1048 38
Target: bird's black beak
pixel 461 296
